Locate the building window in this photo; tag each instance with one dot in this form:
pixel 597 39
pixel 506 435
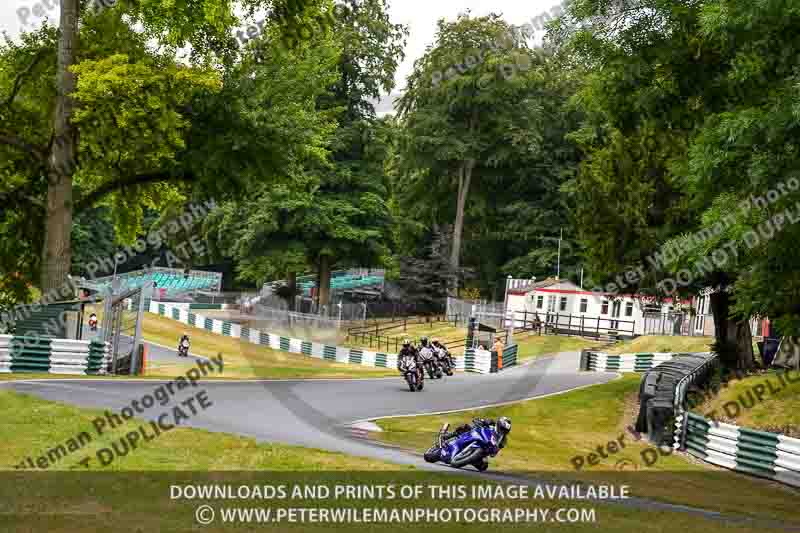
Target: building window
pixel 629 309
pixel 584 304
pixel 539 302
pixel 551 304
pixel 562 305
pixel 604 308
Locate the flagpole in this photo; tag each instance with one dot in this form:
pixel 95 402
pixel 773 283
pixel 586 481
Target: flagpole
pixel 558 268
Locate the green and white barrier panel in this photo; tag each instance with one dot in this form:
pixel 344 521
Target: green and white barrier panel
pixel 509 356
pixel 758 453
pixel 475 360
pixel 318 350
pixel 54 356
pixel 626 362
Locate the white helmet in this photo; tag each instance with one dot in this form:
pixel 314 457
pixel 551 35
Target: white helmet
pixel 504 424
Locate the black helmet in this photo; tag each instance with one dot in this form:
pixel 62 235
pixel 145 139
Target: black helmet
pixel 504 424
pixel 424 341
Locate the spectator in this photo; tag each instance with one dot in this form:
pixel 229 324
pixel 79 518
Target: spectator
pixel 498 349
pixel 537 323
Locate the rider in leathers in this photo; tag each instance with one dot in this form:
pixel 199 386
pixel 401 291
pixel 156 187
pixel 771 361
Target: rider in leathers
pixel 410 351
pixel 442 352
pixel 502 426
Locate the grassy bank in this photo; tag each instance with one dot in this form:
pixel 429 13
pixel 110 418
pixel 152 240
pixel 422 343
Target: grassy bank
pixel 770 402
pixel 550 434
pixel 138 495
pixel 243 359
pixel 663 344
pixel 32 426
pixel 532 345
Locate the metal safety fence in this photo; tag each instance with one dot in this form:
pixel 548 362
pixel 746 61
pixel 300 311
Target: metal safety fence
pixel 54 356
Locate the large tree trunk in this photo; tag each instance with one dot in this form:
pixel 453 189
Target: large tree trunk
pixel 57 252
pixel 324 281
pixel 464 179
pixel 734 342
pixel 291 279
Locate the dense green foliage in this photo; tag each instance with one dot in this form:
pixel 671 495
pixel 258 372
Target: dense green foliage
pixel 641 131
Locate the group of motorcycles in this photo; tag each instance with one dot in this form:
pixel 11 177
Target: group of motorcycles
pixel 431 358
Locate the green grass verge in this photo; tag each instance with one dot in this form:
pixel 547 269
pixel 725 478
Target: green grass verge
pixel 663 344
pixel 549 433
pixel 770 402
pixel 532 346
pixel 242 359
pixel 32 426
pixel 137 497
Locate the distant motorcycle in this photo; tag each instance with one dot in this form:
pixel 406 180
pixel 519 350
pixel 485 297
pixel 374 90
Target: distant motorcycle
pixel 183 348
pixel 411 372
pixel 430 363
pixel 93 322
pixel 473 447
pixel 446 361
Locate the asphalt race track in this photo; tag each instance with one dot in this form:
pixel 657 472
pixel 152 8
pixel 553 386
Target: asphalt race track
pixel 327 413
pixel 320 413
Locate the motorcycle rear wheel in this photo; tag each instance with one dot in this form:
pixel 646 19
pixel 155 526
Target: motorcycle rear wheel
pixel 474 457
pixel 481 465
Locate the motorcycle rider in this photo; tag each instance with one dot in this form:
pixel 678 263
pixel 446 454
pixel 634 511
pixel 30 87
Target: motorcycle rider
pixel 184 343
pixel 408 350
pixel 442 352
pixel 502 426
pixel 424 344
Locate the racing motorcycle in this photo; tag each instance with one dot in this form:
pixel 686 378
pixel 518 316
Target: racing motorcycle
pixel 446 361
pixel 183 348
pixel 93 322
pixel 412 374
pixel 430 363
pixel 473 447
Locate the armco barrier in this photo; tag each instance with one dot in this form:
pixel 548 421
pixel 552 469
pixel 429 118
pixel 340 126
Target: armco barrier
pixel 474 360
pixel 626 362
pixel 278 342
pixel 757 453
pixel 55 356
pixel 662 394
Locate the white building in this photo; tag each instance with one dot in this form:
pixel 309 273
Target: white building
pixel 563 304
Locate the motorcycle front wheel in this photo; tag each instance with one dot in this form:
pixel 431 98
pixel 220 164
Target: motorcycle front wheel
pixel 433 453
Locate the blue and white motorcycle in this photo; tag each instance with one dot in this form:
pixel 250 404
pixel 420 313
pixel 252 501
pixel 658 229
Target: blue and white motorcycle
pixel 473 447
